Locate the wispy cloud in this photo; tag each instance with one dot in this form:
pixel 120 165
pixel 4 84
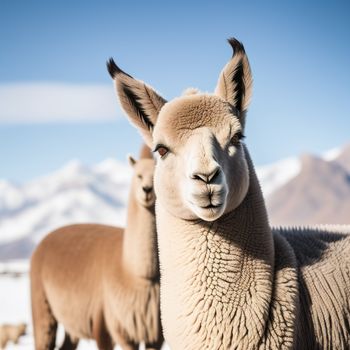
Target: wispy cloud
pixel 57 102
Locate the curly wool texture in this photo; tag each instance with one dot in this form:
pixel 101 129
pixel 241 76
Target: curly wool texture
pixel 323 257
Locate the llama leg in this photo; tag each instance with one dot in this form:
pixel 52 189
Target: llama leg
pixel 3 343
pixel 154 346
pixel 44 323
pixel 100 333
pixel 127 345
pixel 69 343
pixel 104 342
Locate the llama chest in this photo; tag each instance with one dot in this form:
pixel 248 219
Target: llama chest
pixel 220 295
pixel 134 312
pixel 216 298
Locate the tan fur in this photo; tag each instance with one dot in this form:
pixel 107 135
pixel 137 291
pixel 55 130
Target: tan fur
pixel 146 152
pixel 190 91
pixel 228 280
pixel 11 333
pixel 101 282
pixel 146 97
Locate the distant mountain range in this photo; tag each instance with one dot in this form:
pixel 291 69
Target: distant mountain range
pixel 318 193
pixel 300 190
pixel 74 194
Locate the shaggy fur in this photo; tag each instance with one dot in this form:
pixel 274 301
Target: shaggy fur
pixel 228 280
pixel 101 282
pixel 11 333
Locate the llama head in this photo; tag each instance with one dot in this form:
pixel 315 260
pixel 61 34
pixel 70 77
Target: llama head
pixel 20 331
pixel 142 180
pixel 201 171
pixel 22 328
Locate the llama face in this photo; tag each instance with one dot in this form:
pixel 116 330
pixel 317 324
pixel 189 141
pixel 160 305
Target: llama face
pixel 204 173
pixel 143 181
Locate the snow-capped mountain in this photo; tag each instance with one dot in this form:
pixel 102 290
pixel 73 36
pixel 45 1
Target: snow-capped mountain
pixel 298 190
pixel 318 194
pixel 75 193
pixel 274 176
pixel 343 158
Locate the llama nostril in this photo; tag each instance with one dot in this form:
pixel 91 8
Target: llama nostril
pixel 208 177
pixel 147 189
pixel 214 174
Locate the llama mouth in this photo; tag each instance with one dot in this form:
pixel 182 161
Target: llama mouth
pixel 149 197
pixel 149 204
pixel 212 202
pixel 207 212
pixel 207 205
pixel 148 200
pixel 212 206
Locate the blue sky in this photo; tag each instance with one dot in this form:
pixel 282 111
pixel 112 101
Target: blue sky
pixel 299 52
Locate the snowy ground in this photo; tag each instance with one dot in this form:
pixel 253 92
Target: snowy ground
pixel 15 305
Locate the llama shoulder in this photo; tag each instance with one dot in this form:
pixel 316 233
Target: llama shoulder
pixel 322 254
pixel 318 244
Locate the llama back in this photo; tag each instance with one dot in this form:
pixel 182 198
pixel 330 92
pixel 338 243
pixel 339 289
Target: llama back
pixel 323 258
pixel 75 263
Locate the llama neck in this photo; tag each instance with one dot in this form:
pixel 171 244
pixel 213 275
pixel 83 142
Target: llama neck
pixel 140 251
pixel 217 277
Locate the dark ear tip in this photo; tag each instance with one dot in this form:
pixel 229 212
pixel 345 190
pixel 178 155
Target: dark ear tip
pixel 113 69
pixel 236 45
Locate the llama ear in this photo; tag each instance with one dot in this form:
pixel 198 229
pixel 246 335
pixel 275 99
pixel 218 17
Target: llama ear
pixel 140 102
pixel 131 160
pixel 235 81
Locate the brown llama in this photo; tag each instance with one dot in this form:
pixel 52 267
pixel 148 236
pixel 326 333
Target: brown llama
pixel 228 280
pixel 101 282
pixel 9 332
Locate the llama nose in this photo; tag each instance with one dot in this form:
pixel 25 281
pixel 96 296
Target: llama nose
pixel 206 176
pixel 147 189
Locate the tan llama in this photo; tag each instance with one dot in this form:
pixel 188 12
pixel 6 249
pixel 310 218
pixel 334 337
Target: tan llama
pixel 101 282
pixel 11 333
pixel 228 280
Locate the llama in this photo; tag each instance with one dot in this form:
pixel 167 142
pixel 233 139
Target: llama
pixel 11 333
pixel 101 282
pixel 229 281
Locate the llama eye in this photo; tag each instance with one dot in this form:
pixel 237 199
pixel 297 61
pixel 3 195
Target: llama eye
pixel 237 138
pixel 139 176
pixel 162 150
